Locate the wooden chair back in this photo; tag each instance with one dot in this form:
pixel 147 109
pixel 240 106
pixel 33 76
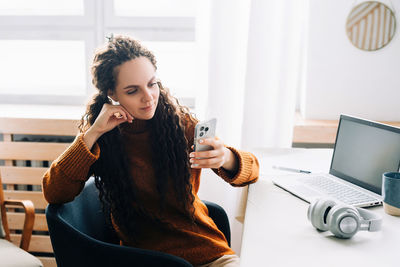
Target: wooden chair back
pixel 29 218
pixel 27 149
pixel 3 223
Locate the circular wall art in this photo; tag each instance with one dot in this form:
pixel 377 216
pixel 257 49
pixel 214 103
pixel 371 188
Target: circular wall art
pixel 371 25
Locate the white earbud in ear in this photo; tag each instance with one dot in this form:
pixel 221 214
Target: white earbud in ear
pixel 113 102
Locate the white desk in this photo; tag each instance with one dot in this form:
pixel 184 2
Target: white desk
pixel 277 232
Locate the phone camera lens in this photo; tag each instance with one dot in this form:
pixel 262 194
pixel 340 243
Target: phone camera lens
pixel 201 134
pixel 206 129
pixel 202 128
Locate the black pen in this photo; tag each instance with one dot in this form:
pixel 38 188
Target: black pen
pixel 289 169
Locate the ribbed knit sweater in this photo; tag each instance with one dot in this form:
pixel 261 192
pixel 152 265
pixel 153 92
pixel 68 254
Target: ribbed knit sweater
pixel 198 244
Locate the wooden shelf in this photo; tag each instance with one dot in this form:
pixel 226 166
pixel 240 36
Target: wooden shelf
pixel 318 131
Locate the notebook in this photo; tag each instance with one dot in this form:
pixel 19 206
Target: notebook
pixel 363 151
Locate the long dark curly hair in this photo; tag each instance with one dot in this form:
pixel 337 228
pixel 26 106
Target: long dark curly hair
pixel 168 142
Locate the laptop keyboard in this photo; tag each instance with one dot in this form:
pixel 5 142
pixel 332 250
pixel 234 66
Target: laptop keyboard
pixel 340 191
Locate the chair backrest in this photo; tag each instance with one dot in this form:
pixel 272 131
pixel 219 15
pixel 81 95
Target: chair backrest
pixel 86 215
pixel 81 237
pixel 23 160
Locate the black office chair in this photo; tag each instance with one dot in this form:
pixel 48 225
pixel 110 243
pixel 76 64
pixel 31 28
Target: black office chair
pixel 80 235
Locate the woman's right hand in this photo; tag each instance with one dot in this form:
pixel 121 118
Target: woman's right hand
pixel 109 117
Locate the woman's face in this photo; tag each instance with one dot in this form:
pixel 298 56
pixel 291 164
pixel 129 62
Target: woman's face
pixel 136 88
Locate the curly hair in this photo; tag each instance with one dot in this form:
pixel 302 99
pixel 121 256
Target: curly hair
pixel 168 143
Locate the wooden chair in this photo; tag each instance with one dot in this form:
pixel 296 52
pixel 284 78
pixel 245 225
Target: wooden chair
pixel 29 211
pixel 23 161
pixel 9 253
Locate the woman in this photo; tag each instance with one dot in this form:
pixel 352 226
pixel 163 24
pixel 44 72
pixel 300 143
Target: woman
pixel 136 140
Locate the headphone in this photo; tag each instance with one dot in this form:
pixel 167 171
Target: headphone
pixel 342 220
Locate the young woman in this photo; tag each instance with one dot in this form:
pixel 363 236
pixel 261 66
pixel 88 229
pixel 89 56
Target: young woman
pixel 137 141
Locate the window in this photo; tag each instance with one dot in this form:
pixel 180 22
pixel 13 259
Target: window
pixel 61 70
pixel 46 46
pixel 41 8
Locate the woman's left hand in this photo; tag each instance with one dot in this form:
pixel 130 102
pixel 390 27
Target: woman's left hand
pixel 218 157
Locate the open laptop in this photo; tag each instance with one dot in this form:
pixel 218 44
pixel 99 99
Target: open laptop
pixel 363 151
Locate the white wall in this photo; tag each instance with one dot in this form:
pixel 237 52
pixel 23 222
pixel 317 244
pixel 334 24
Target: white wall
pixel 340 78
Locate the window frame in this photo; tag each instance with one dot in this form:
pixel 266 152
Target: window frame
pixel 97 22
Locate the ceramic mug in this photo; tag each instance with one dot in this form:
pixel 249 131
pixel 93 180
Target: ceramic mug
pixel 391 192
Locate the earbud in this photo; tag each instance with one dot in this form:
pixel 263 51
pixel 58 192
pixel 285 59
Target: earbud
pixel 112 101
pixel 342 220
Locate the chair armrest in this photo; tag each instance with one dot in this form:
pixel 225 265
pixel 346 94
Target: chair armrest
pixel 29 209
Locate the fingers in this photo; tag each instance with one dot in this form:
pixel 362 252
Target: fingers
pixel 214 142
pixel 119 112
pixel 110 116
pixel 214 158
pixel 121 115
pixel 118 115
pixel 214 163
pixel 206 154
pixel 125 114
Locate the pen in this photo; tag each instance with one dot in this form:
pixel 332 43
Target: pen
pixel 289 169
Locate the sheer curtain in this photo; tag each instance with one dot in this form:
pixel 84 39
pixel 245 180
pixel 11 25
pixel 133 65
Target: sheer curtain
pixel 273 72
pixel 252 49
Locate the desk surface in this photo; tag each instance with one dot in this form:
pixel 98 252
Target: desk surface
pixel 277 232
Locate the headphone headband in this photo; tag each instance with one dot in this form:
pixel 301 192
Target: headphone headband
pixel 371 221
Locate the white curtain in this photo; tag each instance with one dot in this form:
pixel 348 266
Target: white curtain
pixel 272 77
pixel 252 50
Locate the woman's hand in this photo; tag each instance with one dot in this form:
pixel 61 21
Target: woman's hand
pixel 218 157
pixel 110 116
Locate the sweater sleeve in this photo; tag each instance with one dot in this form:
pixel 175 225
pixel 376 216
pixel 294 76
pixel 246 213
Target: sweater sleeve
pixel 248 170
pixel 66 177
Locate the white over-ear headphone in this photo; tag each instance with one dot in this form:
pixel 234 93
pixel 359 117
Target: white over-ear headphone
pixel 342 220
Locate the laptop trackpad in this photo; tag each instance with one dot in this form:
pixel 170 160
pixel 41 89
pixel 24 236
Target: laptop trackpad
pixel 303 192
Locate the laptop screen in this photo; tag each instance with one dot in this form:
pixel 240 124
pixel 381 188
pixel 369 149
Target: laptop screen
pixel 364 150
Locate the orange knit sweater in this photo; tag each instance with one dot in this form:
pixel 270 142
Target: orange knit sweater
pixel 197 244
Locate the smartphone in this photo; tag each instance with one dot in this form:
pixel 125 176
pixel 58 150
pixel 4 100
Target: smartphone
pixel 204 129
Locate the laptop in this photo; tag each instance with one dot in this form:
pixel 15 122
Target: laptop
pixel 363 151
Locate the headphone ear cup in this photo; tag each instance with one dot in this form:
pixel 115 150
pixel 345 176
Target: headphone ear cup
pixel 343 221
pixel 318 211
